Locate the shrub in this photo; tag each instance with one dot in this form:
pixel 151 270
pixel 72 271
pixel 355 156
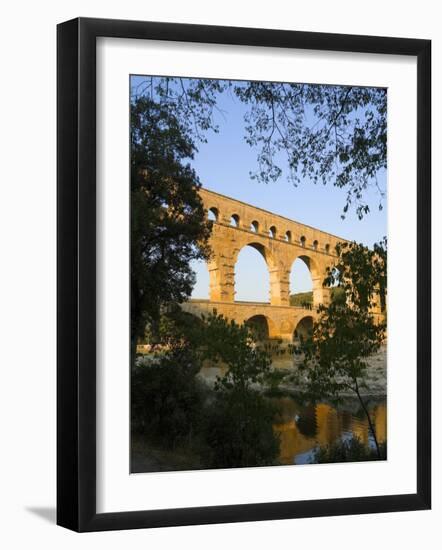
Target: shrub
pixel 239 430
pixel 167 398
pixel 352 450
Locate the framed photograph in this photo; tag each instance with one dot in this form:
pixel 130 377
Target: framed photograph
pixel 243 274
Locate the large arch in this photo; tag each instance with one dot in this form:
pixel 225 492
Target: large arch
pixel 301 284
pixel 303 329
pixel 271 274
pixel 201 288
pixel 265 252
pixel 317 277
pixel 261 326
pixel 278 240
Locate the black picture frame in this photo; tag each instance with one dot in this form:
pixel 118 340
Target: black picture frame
pixel 76 274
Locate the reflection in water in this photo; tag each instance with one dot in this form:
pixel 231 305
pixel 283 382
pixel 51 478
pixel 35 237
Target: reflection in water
pixel 302 428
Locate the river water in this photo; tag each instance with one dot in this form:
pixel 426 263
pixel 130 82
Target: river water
pixel 302 428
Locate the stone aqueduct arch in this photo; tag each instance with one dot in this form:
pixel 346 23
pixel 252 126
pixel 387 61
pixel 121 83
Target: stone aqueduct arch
pixel 280 241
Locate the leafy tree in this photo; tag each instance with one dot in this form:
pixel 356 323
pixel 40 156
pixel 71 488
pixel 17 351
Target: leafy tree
pixel 346 333
pixel 168 223
pixel 233 345
pixel 239 430
pixel 329 134
pixel 192 101
pixel 239 426
pixel 231 426
pixel 361 274
pixel 167 398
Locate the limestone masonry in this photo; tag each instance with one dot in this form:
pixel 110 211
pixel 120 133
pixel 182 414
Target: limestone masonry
pixel 280 241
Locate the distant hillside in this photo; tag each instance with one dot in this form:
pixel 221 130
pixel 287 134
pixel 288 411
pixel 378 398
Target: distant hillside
pixel 305 299
pixel 301 299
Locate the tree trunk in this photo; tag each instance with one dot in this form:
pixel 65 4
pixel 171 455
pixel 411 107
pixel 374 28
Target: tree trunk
pixel 370 423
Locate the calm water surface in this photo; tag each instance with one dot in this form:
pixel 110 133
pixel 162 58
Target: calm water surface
pixel 302 428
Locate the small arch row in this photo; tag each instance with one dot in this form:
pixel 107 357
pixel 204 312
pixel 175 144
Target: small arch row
pixel 214 216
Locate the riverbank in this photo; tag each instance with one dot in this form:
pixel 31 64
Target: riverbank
pixel 376 376
pixel 376 382
pixel 301 429
pixel 146 456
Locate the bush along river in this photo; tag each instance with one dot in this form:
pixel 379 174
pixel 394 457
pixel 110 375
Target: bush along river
pixel 303 428
pixel 307 433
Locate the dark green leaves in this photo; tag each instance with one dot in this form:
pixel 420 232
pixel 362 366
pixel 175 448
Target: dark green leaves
pixel 347 332
pixel 168 222
pixel 334 135
pixel 328 134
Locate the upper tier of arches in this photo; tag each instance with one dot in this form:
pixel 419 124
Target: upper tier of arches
pixel 272 232
pixel 281 231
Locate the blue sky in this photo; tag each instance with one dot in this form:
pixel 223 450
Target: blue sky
pixel 223 165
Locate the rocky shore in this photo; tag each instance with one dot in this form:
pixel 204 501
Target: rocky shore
pixel 376 379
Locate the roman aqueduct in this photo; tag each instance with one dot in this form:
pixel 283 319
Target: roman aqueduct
pixel 280 241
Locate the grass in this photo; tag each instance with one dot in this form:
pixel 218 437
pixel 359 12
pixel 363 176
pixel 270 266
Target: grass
pixel 303 299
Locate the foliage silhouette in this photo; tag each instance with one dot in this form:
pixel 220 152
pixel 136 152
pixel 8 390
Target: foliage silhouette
pixel 169 227
pixel 229 425
pixel 328 134
pixel 346 334
pixel 352 450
